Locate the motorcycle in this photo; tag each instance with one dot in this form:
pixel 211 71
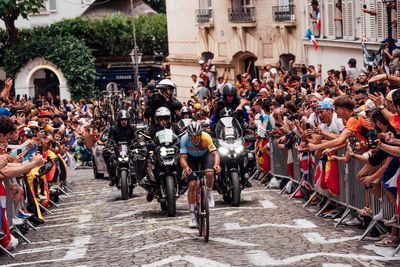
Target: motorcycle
pixel 126 180
pixel 163 170
pixel 234 159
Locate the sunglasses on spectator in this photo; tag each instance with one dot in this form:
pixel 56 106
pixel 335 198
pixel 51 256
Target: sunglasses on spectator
pixel 163 118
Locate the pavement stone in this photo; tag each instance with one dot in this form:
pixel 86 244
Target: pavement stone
pixel 94 227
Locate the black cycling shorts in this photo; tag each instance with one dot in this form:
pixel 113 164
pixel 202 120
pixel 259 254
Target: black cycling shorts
pixel 204 163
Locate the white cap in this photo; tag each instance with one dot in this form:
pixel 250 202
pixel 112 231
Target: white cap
pixel 264 90
pixel 273 71
pixel 254 80
pixel 201 61
pixel 369 105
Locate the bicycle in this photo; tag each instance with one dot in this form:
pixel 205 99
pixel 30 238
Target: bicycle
pixel 202 210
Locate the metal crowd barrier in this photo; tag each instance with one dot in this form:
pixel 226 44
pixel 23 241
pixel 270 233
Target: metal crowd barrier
pixel 352 193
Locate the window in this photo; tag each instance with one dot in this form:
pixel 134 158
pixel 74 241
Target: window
pixel 204 4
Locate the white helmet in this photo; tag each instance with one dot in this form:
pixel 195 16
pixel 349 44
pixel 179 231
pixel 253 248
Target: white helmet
pixel 163 112
pixel 167 82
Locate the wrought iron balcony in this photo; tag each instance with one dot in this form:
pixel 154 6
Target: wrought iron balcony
pixel 244 14
pixel 284 13
pixel 204 16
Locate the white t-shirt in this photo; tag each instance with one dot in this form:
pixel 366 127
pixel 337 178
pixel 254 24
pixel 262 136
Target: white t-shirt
pixel 335 127
pixel 314 119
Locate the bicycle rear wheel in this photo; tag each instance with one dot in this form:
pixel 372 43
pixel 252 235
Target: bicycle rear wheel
pixel 205 213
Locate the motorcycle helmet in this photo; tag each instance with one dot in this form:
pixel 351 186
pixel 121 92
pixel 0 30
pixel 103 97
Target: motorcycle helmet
pixel 194 128
pixel 163 112
pixel 123 115
pixel 185 111
pixel 229 89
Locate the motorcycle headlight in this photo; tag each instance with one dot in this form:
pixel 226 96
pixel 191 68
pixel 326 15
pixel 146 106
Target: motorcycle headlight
pixel 239 149
pixel 223 150
pixel 123 158
pixel 163 151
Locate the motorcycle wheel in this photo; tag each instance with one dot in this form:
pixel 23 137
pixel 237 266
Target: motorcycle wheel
pixel 235 180
pixel 96 174
pixel 124 185
pixel 171 202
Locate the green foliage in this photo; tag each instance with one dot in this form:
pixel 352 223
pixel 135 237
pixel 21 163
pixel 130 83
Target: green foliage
pixel 113 35
pixel 19 7
pixel 66 52
pixel 157 5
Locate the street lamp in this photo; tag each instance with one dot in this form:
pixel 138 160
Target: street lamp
pixel 136 59
pixel 390 39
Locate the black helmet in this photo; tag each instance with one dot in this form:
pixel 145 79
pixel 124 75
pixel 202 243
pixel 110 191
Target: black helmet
pixel 123 114
pixel 194 128
pixel 229 89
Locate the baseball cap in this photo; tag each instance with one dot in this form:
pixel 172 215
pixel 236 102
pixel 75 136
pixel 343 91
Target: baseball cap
pixel 201 61
pixel 317 95
pixel 254 80
pixel 264 90
pixel 45 114
pixel 5 112
pixel 324 105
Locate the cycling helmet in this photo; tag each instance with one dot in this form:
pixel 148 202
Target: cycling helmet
pixel 163 112
pixel 123 115
pixel 229 89
pixel 194 128
pixel 186 111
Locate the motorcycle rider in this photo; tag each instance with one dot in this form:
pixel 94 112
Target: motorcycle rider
pixel 163 99
pixel 230 99
pixel 120 132
pixel 198 150
pixel 163 120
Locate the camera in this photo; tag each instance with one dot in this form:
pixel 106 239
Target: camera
pixel 353 142
pixel 372 137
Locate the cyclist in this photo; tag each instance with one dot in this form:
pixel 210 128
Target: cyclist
pixel 197 149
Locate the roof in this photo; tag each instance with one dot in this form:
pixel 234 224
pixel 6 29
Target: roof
pixel 103 8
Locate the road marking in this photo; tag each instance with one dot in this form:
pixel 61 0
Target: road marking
pixel 159 244
pixel 335 265
pixel 195 261
pixel 262 258
pixel 267 204
pixel 230 213
pixel 76 250
pixel 233 242
pixel 299 223
pixel 316 238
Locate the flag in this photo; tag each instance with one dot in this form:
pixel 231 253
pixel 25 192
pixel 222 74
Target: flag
pixel 391 184
pixel 332 177
pixel 318 19
pixel 319 177
pixel 304 161
pixel 310 36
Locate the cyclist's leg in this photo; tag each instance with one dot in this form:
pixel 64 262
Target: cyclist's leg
pixel 192 181
pixel 208 166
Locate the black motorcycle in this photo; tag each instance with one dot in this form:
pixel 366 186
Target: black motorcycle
pixel 234 159
pixel 163 170
pixel 126 180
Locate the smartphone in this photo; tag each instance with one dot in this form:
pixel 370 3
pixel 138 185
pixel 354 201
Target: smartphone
pixel 18 97
pixel 24 96
pixel 373 87
pixel 353 142
pixel 308 125
pixel 365 6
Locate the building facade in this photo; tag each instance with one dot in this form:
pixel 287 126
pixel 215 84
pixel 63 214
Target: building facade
pixel 344 25
pixel 234 34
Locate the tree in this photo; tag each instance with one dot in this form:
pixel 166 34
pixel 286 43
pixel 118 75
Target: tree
pixel 157 5
pixel 10 10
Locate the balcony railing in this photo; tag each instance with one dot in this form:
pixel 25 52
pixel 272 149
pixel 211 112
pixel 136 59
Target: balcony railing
pixel 244 14
pixel 284 13
pixel 204 16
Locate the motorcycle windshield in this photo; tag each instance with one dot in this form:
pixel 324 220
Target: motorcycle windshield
pixel 165 137
pixel 123 149
pixel 228 128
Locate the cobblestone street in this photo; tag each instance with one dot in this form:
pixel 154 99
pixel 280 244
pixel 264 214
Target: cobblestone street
pixel 93 227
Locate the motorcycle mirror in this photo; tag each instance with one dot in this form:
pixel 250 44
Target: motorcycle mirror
pixel 145 136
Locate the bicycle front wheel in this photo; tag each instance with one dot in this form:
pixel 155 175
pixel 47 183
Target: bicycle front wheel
pixel 205 212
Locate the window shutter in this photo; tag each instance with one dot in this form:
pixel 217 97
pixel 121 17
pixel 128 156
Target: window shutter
pixel 381 18
pixel 348 15
pixel 372 21
pixel 328 20
pixel 308 12
pixel 52 5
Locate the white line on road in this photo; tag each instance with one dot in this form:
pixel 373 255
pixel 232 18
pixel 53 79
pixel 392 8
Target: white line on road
pixel 268 204
pixel 262 258
pixel 299 223
pixel 316 238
